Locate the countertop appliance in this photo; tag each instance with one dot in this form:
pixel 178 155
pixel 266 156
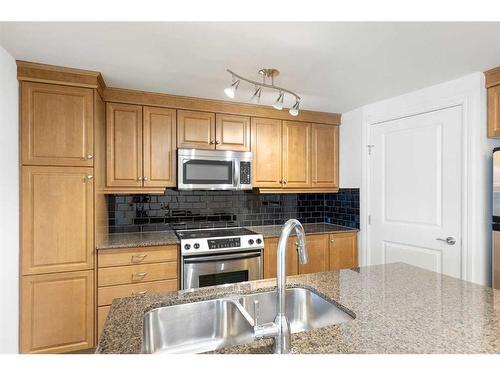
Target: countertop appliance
pixel 220 256
pixel 495 256
pixel 213 170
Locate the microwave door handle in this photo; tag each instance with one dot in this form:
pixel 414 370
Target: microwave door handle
pixel 236 173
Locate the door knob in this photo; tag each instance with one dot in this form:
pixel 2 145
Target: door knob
pixel 448 240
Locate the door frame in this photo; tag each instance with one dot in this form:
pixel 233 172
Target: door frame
pixel 467 93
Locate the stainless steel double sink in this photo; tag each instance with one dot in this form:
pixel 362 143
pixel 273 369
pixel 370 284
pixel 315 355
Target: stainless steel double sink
pixel 220 323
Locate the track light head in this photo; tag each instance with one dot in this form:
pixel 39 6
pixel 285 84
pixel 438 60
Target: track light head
pixel 278 104
pixel 256 95
pixel 294 111
pixel 231 90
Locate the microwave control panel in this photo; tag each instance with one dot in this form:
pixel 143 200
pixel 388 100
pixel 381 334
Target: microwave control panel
pixel 245 177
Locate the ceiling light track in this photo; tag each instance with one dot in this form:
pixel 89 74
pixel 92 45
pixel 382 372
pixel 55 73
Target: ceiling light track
pixel 266 73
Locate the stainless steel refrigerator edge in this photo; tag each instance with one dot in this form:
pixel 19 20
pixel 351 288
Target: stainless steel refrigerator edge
pixel 495 256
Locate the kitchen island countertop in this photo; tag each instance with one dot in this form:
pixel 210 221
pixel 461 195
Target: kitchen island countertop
pixel 399 309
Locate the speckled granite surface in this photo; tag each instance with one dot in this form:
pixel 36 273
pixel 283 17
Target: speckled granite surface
pixel 122 240
pixel 399 309
pixel 269 231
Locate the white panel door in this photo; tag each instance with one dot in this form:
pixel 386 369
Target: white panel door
pixel 415 191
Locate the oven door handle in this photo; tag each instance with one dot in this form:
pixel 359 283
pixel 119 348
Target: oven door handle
pixel 213 258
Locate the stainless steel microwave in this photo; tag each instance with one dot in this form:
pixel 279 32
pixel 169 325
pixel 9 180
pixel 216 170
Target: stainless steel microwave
pixel 213 170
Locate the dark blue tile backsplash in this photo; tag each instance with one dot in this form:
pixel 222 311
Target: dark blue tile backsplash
pixel 204 209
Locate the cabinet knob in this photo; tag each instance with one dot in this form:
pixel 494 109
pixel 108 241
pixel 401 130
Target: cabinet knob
pixel 212 142
pixel 89 156
pixel 332 241
pixel 145 178
pixel 139 178
pixel 285 181
pixel 89 177
pixel 217 142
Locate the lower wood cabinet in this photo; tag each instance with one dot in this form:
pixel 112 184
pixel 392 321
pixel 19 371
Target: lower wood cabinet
pixel 326 252
pixel 134 271
pixel 57 312
pixel 343 250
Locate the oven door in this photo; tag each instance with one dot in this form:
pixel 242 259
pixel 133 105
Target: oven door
pixel 217 269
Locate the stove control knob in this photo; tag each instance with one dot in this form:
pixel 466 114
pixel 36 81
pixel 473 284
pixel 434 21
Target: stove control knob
pixel 187 246
pixel 250 242
pixel 196 245
pixel 259 241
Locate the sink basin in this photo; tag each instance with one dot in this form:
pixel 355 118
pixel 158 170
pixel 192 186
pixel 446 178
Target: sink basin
pixel 215 324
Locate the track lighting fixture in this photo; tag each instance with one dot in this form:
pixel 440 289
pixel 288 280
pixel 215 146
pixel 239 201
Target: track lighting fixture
pixel 266 74
pixel 231 90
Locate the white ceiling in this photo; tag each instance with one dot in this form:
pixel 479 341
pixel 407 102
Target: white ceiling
pixel 335 67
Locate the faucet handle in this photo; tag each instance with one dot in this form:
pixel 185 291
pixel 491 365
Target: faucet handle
pixel 256 312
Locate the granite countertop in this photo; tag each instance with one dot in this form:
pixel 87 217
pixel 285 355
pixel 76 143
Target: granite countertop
pixel 399 309
pixel 269 231
pixel 168 237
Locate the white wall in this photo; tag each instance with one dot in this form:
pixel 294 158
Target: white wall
pixel 9 204
pixel 467 91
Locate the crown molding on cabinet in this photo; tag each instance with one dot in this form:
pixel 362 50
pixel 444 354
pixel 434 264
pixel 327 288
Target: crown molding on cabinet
pixel 35 72
pixel 492 77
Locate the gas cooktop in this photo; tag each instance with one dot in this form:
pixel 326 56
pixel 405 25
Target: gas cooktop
pixel 213 232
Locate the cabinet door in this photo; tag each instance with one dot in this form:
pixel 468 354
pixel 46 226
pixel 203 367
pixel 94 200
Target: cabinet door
pixel 124 145
pixel 196 130
pixel 57 312
pixel 270 257
pixel 325 156
pixel 233 132
pixel 318 254
pixel 56 125
pixel 57 219
pixel 296 154
pixel 266 148
pixel 494 111
pixel 159 137
pixel 343 250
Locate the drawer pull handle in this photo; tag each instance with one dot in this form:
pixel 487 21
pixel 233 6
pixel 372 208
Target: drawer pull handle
pixel 138 258
pixel 139 276
pixel 139 293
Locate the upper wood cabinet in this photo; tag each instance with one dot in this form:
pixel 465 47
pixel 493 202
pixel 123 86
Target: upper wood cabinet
pixel 57 312
pixel 124 145
pixel 57 219
pixel 159 137
pixel 494 111
pixel 343 250
pixel 196 130
pixel 270 257
pixel 325 156
pixel 267 152
pixel 318 254
pixel 141 146
pixel 232 132
pixel 56 125
pixel 296 154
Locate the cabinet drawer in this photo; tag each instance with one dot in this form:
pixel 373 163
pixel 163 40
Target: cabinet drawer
pixel 136 274
pixel 137 255
pixel 102 314
pixel 107 294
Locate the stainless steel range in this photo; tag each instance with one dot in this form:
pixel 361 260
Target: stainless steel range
pixel 219 256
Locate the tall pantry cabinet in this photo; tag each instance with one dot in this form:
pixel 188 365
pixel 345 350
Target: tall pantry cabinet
pixel 57 308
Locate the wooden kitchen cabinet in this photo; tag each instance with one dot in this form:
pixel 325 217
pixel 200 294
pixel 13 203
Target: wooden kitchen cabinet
pixel 267 152
pixel 232 132
pixel 296 154
pixel 270 257
pixel 318 254
pixel 141 147
pixel 196 130
pixel 124 145
pixel 494 111
pixel 57 223
pixel 57 312
pixel 159 141
pixel 56 125
pixel 343 250
pixel 325 156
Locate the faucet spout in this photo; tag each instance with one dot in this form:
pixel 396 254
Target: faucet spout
pixel 280 328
